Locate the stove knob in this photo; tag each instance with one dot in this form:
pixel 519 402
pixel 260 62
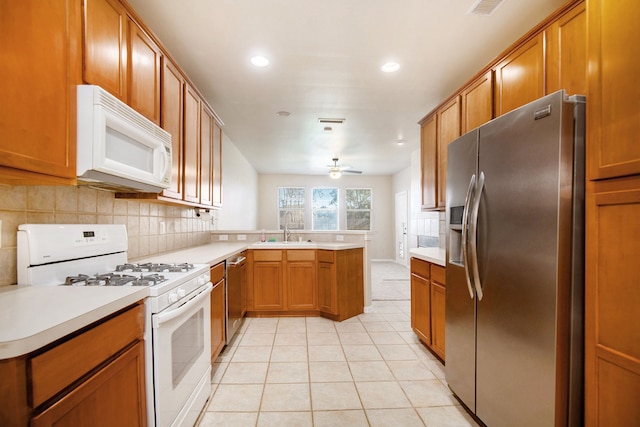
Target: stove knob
pixel 173 297
pixel 181 292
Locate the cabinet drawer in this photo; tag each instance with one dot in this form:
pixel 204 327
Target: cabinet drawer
pixel 267 255
pixel 217 273
pixel 420 267
pixel 59 367
pixel 301 255
pixel 438 274
pixel 326 256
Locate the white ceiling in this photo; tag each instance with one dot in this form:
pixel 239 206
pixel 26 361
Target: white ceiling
pixel 325 58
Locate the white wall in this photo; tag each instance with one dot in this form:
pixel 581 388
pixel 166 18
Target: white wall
pixel 239 191
pixel 382 215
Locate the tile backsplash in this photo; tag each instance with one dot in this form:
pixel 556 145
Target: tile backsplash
pixel 151 227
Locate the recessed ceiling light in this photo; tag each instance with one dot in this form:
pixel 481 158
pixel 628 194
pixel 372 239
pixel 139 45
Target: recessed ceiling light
pixel 259 61
pixel 390 67
pixel 283 114
pixel 400 142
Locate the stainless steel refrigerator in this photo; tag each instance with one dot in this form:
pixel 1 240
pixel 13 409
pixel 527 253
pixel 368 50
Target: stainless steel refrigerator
pixel 515 257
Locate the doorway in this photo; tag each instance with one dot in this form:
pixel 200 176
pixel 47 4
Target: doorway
pixel 401 226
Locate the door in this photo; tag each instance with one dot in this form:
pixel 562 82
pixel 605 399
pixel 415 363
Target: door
pixel 401 229
pixel 524 262
pixel 460 369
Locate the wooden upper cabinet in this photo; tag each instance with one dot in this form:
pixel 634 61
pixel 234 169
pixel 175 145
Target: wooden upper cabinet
pixel 105 47
pixel 191 123
pixel 448 122
pixel 143 75
pixel 206 155
pixel 566 52
pixel 477 102
pixel 613 109
pixel 429 161
pixel 520 76
pixel 172 105
pixel 37 123
pixel 217 165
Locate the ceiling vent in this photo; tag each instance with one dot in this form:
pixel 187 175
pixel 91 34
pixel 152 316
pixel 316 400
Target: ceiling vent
pixel 332 121
pixel 484 7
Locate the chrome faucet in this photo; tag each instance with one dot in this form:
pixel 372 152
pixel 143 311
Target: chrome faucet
pixel 287 232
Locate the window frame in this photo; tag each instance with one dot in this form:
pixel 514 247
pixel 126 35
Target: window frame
pixel 282 210
pixel 348 210
pixel 336 209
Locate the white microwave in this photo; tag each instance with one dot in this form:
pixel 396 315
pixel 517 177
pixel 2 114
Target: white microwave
pixel 117 147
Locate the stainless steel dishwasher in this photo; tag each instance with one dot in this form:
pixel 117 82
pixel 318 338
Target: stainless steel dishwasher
pixel 236 283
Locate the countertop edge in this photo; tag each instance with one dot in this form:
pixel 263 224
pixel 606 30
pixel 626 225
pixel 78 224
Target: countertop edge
pixel 35 338
pixel 433 255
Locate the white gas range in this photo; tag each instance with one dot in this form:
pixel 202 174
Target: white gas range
pixel 177 332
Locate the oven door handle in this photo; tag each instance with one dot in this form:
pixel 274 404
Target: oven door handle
pixel 159 319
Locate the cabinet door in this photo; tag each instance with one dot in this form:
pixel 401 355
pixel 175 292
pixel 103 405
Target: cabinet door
pixel 172 104
pixel 448 129
pixel 206 155
pixel 437 318
pixel 217 320
pixel 613 109
pixel 477 103
pixel 105 47
pixel 612 335
pixel 520 76
pixel 191 123
pixel 301 286
pixel 566 52
pixel 40 42
pixel 421 308
pixel 327 289
pixel 217 165
pixel 429 162
pixel 143 73
pixel 114 396
pixel 268 285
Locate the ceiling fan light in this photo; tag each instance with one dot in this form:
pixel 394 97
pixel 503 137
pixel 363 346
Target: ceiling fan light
pixel 335 174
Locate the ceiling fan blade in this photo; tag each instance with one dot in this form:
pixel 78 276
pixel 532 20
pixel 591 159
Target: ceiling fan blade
pixel 351 171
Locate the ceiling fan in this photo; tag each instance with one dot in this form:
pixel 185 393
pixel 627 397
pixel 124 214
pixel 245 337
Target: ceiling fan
pixel 336 171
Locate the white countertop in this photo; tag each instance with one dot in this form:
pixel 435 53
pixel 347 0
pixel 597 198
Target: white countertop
pixel 434 255
pixel 216 252
pixel 34 316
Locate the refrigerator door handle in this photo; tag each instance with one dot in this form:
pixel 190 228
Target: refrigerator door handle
pixel 465 233
pixel 473 229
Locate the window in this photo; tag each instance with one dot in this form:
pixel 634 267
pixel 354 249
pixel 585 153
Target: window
pixel 358 201
pixel 325 209
pixel 291 208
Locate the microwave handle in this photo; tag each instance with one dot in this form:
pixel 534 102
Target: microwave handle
pixel 166 163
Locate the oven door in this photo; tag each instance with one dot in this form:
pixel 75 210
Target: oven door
pixel 181 355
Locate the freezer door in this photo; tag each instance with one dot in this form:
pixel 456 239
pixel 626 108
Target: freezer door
pixel 523 235
pixel 460 325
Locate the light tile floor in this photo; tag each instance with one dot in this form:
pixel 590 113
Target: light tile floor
pixel 369 370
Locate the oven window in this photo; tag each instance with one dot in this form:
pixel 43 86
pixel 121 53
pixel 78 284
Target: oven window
pixel 187 343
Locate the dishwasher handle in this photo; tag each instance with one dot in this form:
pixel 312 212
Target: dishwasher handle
pixel 237 261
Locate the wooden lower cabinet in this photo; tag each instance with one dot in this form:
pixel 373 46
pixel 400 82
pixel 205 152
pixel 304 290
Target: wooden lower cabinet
pixel 114 396
pixel 437 309
pixel 428 304
pixel 218 310
pixel 300 281
pixel 93 378
pixel 340 283
pixel 306 282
